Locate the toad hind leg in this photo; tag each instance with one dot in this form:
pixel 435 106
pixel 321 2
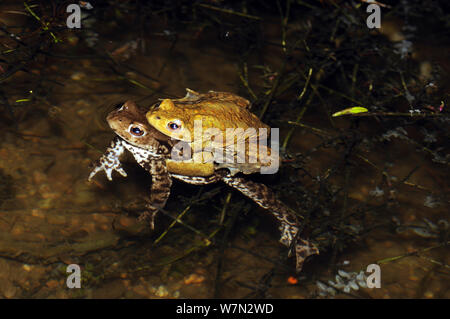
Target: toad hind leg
pixel 289 225
pixel 160 190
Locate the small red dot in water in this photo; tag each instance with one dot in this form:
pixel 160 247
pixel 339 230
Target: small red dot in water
pixel 292 280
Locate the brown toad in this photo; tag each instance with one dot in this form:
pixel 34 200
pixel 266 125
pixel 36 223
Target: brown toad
pixel 151 149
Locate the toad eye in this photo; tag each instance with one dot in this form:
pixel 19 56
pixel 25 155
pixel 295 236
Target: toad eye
pixel 136 130
pixel 174 125
pixel 156 106
pixel 119 107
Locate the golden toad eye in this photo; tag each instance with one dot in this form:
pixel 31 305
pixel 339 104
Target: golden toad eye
pixel 174 125
pixel 136 130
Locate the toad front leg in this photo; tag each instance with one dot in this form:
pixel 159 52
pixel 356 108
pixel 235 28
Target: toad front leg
pixel 110 160
pixel 289 225
pixel 160 190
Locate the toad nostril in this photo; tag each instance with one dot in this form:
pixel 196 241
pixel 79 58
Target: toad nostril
pixel 158 118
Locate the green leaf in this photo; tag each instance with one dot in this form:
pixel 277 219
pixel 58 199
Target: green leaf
pixel 351 110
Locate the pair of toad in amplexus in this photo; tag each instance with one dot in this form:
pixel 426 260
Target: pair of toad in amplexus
pixel 243 149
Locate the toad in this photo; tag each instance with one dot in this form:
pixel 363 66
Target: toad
pixel 219 128
pixel 152 149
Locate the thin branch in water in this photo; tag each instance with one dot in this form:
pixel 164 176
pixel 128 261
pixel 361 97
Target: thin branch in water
pixel 207 6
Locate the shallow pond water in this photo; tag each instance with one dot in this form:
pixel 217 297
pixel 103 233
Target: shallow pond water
pixel 384 203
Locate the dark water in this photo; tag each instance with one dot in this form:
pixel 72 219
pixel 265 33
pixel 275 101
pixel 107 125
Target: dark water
pixel 373 190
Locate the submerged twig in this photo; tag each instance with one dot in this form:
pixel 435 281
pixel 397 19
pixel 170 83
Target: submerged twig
pixel 302 110
pixel 413 253
pixel 207 6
